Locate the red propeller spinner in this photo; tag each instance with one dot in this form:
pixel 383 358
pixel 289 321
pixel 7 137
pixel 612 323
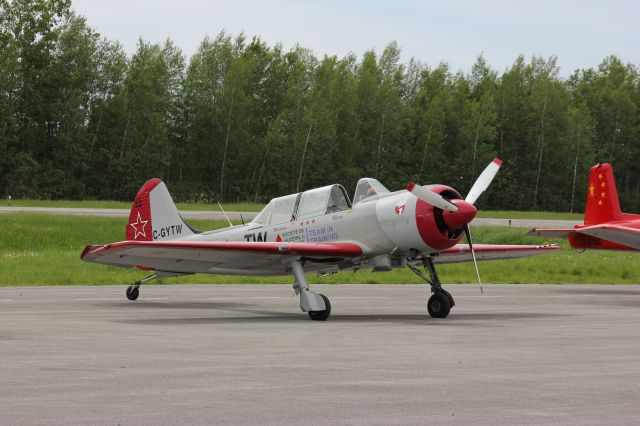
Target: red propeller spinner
pixel 465 214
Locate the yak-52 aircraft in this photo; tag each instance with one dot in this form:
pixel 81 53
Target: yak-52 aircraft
pixel 605 226
pixel 318 230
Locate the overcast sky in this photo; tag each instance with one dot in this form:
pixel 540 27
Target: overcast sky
pixel 579 33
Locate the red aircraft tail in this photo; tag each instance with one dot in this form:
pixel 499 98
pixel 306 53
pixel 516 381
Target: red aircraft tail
pixel 154 216
pixel 602 197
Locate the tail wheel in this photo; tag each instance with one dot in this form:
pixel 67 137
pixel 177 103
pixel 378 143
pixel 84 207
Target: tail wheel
pixel 439 305
pixel 132 292
pixel 321 315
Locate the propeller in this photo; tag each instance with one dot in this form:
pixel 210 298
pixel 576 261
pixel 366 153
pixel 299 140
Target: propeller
pixel 480 185
pixel 483 181
pixel 467 233
pixel 458 213
pixel 431 198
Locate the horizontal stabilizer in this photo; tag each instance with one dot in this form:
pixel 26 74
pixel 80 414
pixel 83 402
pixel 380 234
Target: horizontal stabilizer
pixel 629 237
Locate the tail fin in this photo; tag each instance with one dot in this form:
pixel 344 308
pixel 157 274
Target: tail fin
pixel 154 216
pixel 602 197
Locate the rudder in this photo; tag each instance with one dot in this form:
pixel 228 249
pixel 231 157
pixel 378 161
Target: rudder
pixel 602 197
pixel 154 216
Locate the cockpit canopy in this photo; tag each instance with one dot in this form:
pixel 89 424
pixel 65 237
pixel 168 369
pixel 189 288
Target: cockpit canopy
pixel 368 188
pixel 311 203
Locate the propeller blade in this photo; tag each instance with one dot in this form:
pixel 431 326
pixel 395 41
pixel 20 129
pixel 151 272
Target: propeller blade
pixel 483 181
pixel 431 198
pixel 467 232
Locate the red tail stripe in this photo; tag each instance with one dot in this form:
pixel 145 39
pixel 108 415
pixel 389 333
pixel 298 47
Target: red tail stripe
pixel 140 227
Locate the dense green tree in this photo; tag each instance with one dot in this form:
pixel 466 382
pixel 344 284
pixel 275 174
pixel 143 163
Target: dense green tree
pixel 242 120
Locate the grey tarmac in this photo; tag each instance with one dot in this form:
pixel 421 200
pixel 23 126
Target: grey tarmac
pixel 245 354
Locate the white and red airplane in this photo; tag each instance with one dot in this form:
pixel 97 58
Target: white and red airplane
pixel 605 226
pixel 318 230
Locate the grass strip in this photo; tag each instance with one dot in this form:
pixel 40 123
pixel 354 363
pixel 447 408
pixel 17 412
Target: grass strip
pixel 40 249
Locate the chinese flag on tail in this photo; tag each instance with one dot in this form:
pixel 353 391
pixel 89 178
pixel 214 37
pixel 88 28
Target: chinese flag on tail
pixel 602 197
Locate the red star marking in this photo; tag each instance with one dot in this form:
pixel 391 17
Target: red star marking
pixel 591 189
pixel 603 184
pixel 602 194
pixel 600 176
pixel 139 226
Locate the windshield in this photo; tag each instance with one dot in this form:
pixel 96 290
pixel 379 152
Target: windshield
pixel 368 188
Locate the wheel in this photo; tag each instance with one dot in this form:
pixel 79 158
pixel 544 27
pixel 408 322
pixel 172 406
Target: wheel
pixel 132 292
pixel 438 305
pixel 321 315
pixel 451 302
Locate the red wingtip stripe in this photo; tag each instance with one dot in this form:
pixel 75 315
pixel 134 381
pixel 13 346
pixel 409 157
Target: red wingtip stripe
pixel 410 186
pixel 497 161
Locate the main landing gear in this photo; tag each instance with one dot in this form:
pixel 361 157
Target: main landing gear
pixel 133 291
pixel 317 306
pixel 440 302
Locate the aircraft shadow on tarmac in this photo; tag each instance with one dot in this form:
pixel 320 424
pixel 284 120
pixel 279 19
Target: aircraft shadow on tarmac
pixel 251 314
pixel 178 305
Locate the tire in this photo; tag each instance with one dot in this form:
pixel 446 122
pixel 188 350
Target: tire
pixel 321 315
pixel 132 292
pixel 451 302
pixel 438 305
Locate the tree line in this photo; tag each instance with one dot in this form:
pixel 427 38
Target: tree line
pixel 241 120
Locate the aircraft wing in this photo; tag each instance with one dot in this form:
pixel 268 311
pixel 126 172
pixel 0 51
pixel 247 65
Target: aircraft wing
pixel 232 258
pixel 555 232
pixel 623 235
pixel 462 253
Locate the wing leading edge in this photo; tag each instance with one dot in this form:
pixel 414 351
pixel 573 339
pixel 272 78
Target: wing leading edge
pixel 233 258
pixel 260 258
pixel 462 253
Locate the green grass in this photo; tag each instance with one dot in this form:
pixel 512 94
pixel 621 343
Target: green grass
pixel 96 204
pixel 39 249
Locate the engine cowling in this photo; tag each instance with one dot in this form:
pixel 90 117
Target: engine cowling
pixel 413 224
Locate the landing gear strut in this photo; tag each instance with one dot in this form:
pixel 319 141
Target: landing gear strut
pixel 317 306
pixel 133 291
pixel 441 301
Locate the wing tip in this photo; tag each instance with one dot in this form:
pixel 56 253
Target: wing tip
pixel 497 161
pixel 410 186
pixel 86 250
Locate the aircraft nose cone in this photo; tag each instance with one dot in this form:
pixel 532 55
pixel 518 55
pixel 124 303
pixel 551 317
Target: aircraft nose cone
pixel 465 214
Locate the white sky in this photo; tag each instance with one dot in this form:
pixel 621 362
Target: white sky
pixel 579 33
